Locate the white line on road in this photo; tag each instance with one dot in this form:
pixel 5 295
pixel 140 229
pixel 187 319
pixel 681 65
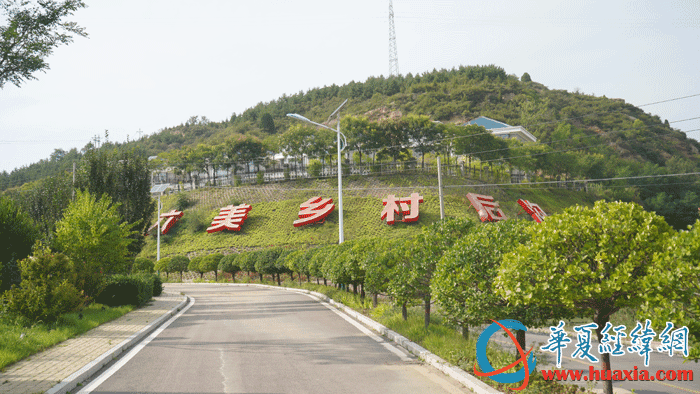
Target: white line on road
pixel 114 368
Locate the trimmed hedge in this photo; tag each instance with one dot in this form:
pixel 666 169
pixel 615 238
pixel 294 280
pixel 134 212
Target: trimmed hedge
pixel 127 290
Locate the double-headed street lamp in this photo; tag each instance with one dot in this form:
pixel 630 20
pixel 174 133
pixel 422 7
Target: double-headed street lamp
pixel 340 172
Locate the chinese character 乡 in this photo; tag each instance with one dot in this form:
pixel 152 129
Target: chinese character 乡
pixel 313 210
pixel 487 208
pixel 170 219
pixel 407 206
pixel 230 218
pixel 557 341
pixel 533 210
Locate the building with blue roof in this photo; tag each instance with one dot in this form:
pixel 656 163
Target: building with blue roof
pixel 503 130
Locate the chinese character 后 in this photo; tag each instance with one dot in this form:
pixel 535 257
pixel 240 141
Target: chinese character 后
pixel 533 209
pixel 230 218
pixel 676 340
pixel 313 210
pixel 171 218
pixel 583 345
pixel 612 343
pixel 557 341
pixel 486 207
pixel 641 338
pixel 407 206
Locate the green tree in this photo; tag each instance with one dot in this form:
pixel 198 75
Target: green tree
pixel 18 234
pixel 229 264
pixel 31 34
pixel 94 236
pixel 589 261
pixel 526 78
pixel 197 265
pixel 267 124
pixel 179 264
pixel 163 265
pixel 211 263
pixel 142 264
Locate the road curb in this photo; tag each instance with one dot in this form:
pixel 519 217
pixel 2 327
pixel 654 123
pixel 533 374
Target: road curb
pixel 448 369
pixel 91 368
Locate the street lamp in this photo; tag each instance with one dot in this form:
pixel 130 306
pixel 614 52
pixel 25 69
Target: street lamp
pixel 159 189
pixel 336 113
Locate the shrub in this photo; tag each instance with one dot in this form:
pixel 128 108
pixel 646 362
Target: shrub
pixel 179 264
pixel 157 285
pixel 314 168
pixel 183 202
pixel 211 263
pixel 142 264
pixel 18 234
pixel 127 290
pixel 196 265
pixel 47 289
pixel 260 177
pixel 163 265
pixel 228 264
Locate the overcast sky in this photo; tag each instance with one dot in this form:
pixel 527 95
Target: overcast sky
pixel 151 64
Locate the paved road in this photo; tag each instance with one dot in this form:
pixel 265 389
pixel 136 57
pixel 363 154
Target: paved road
pixel 628 361
pixel 253 340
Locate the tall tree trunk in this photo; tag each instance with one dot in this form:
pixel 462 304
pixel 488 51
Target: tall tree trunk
pixel 601 318
pixel 374 300
pixel 520 337
pixel 465 331
pixel 362 292
pixel 404 311
pixel 279 280
pixel 426 299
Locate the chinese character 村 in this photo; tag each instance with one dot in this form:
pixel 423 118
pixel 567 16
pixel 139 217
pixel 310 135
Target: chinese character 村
pixel 641 338
pixel 407 206
pixel 313 210
pixel 230 218
pixel 486 207
pixel 557 341
pixel 583 347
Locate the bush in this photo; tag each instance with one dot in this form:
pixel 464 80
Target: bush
pixel 127 290
pixel 314 168
pixel 47 289
pixel 18 234
pixel 260 177
pixel 157 285
pixel 142 264
pixel 183 202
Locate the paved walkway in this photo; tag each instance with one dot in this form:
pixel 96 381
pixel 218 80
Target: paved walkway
pixel 40 372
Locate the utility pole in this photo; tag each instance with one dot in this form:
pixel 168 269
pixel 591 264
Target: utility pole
pixel 393 57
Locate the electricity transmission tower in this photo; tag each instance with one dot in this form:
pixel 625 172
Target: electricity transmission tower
pixel 393 57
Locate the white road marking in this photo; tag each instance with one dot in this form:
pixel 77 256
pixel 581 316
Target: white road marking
pixel 114 368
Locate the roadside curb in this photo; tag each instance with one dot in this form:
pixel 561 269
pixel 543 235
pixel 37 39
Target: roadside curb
pixel 448 369
pixel 91 368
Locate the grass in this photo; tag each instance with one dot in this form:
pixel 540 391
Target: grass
pixel 18 341
pixel 276 206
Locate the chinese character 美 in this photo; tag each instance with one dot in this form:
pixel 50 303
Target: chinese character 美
pixel 676 340
pixel 583 347
pixel 172 218
pixel 612 343
pixel 486 207
pixel 230 218
pixel 407 206
pixel 557 341
pixel 641 338
pixel 313 210
pixel 533 209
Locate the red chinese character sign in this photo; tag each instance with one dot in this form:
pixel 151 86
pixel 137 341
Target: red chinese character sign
pixel 230 218
pixel 487 208
pixel 533 209
pixel 170 219
pixel 407 206
pixel 313 210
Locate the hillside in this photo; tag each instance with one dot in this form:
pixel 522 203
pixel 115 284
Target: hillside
pixel 579 136
pixel 275 207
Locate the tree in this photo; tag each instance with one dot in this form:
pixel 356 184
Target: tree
pixel 267 124
pixel 197 265
pixel 125 177
pixel 525 78
pixel 94 236
pixel 18 234
pixel 228 264
pixel 142 264
pixel 31 35
pixel 211 263
pixel 589 261
pixel 179 264
pixel 163 265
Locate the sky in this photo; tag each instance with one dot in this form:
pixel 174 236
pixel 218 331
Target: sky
pixel 152 64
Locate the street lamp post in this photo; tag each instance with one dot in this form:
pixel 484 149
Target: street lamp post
pixel 336 113
pixel 159 189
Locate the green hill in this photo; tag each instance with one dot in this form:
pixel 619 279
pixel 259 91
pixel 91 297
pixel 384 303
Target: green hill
pixel 275 207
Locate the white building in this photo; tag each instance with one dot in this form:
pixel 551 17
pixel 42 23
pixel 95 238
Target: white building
pixel 502 130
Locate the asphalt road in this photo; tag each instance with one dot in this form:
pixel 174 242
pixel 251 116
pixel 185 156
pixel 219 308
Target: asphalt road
pixel 253 340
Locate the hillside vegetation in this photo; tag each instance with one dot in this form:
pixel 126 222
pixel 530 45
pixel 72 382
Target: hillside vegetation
pixel 580 136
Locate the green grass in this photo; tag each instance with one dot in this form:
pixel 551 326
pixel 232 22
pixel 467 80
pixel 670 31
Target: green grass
pixel 40 336
pixel 275 207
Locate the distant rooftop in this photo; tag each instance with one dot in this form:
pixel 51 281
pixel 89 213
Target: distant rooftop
pixel 488 123
pixel 503 130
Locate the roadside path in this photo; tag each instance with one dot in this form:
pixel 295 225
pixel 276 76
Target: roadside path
pixel 50 371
